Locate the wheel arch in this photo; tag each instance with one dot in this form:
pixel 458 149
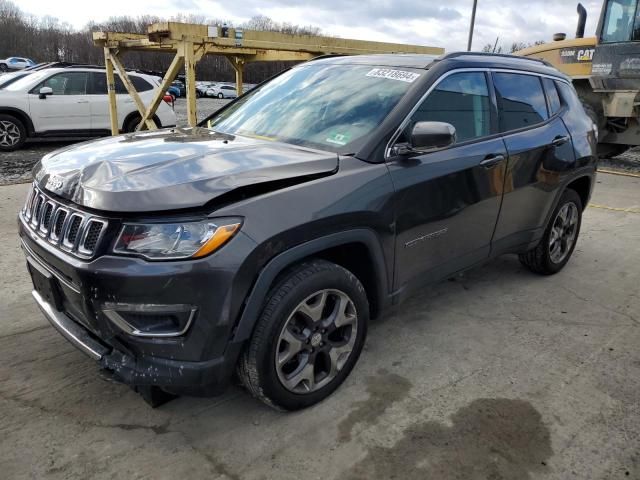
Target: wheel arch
pixel 20 115
pixel 582 186
pixel 358 250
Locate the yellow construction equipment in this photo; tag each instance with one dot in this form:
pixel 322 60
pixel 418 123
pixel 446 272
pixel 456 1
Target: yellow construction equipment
pixel 190 42
pixel 605 70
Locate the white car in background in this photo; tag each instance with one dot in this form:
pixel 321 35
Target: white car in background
pixel 222 91
pixel 71 101
pixel 15 63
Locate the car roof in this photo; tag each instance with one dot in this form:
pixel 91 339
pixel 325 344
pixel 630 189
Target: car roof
pixel 458 59
pixel 387 60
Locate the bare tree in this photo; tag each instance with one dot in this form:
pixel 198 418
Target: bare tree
pixel 46 39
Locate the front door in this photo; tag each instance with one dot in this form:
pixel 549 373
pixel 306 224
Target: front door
pixel 448 201
pixel 67 109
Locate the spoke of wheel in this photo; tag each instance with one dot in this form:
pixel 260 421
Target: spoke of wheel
pixel 314 311
pixel 342 315
pixel 562 214
pixel 294 345
pixel 338 356
pixel 573 218
pixel 306 375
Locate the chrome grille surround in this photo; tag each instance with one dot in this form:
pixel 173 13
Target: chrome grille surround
pixel 69 229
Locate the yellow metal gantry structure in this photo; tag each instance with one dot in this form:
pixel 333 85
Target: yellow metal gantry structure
pixel 190 42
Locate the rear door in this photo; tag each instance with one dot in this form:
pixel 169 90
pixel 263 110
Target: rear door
pixel 99 100
pixel 539 148
pixel 447 201
pixel 67 109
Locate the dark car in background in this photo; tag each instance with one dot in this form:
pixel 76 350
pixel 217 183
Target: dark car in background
pixel 264 244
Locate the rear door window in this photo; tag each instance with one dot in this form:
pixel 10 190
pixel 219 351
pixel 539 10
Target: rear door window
pixel 140 84
pixel 521 100
pixel 99 84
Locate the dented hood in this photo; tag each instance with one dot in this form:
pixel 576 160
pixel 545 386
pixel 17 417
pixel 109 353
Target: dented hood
pixel 171 169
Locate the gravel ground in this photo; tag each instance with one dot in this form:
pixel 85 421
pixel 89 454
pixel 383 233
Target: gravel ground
pixel 15 167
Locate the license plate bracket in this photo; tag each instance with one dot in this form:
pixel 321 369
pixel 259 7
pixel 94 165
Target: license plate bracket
pixel 45 284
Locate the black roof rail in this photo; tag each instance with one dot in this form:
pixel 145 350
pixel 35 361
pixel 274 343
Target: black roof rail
pixel 490 54
pixel 82 65
pixel 327 55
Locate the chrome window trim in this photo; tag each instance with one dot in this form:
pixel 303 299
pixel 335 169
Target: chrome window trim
pixel 404 123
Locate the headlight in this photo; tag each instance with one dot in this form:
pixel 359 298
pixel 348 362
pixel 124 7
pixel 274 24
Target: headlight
pixel 164 241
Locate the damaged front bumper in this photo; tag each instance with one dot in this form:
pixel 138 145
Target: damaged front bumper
pixel 173 376
pixel 95 305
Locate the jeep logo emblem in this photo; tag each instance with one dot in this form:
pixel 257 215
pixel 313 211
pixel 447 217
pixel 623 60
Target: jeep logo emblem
pixel 54 182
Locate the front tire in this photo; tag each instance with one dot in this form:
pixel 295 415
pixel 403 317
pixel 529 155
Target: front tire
pixel 308 337
pixel 3 67
pixel 560 237
pixel 220 96
pixel 13 133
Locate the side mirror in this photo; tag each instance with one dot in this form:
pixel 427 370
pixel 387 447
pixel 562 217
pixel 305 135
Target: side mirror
pixel 44 91
pixel 428 136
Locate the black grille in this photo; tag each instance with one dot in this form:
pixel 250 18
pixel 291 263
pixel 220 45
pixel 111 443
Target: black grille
pixel 46 216
pixel 92 235
pixel 36 209
pixel 57 228
pixel 74 228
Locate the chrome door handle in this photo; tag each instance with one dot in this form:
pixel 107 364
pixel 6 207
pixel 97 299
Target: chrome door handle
pixel 82 101
pixel 560 140
pixel 492 160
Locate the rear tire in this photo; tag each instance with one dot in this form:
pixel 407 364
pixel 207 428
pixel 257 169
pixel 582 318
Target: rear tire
pixel 560 237
pixel 132 123
pixel 13 133
pixel 308 337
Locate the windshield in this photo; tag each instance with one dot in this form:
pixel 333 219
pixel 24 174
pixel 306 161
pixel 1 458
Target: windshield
pixel 622 21
pixel 328 107
pixel 28 81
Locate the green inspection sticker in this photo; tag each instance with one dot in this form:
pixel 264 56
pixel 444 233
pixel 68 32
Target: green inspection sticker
pixel 339 138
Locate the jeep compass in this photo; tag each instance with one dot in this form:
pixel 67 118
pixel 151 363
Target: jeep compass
pixel 259 244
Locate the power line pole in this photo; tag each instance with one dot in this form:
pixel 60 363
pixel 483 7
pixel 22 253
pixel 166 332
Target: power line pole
pixel 473 21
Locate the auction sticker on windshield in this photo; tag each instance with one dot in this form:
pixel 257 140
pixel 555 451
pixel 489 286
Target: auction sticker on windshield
pixel 392 74
pixel 339 138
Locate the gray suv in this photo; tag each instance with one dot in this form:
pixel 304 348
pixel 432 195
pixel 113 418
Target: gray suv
pixel 261 243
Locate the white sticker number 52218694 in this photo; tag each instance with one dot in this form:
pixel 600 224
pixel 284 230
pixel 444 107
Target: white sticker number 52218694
pixel 392 74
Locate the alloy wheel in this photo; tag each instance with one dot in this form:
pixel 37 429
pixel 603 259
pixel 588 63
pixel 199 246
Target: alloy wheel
pixel 563 232
pixel 316 341
pixel 9 134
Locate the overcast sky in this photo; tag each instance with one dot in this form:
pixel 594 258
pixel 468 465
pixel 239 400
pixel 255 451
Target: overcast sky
pixel 425 22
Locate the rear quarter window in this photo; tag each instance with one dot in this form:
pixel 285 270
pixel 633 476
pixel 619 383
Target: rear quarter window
pixel 521 100
pixel 552 95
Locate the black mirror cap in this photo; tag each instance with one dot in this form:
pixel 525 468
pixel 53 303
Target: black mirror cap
pixel 432 135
